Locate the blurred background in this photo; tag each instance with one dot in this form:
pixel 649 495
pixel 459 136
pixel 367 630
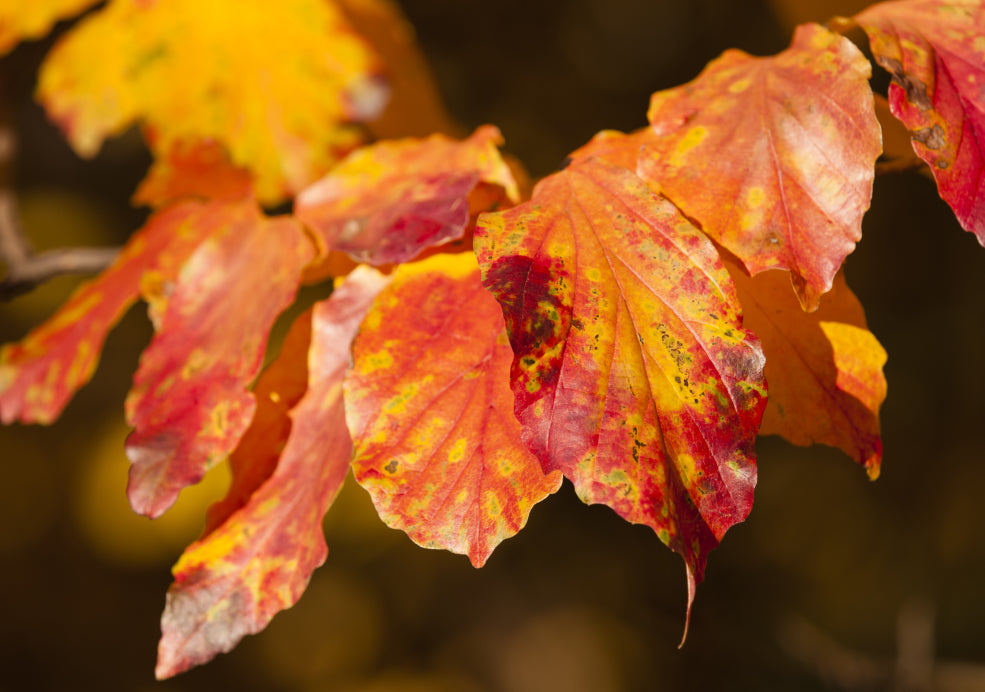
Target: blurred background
pixel 833 583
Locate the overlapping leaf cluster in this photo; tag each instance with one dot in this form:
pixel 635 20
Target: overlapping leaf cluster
pixel 631 325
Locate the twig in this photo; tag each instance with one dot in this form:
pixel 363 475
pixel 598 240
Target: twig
pixel 899 165
pixel 27 269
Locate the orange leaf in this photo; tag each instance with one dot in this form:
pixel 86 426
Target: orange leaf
pixel 34 19
pixel 189 402
pixel 385 203
pixel 39 374
pixel 259 560
pixel 774 157
pixel 276 83
pixel 616 147
pixel 935 52
pixel 824 367
pixel 632 373
pixel 195 168
pixel 431 413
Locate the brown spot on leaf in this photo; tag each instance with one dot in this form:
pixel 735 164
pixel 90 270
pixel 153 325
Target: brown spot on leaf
pixel 930 137
pixel 916 91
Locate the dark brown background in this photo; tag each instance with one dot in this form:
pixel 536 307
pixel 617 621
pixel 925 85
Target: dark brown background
pixel 811 593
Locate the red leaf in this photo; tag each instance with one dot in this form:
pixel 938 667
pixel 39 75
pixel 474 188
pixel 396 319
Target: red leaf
pixel 189 404
pixel 824 367
pixel 936 54
pixel 39 374
pixel 774 157
pixel 386 203
pixel 437 445
pixel 632 372
pixel 259 560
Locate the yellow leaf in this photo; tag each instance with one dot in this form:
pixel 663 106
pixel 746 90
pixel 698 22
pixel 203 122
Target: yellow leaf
pixel 277 84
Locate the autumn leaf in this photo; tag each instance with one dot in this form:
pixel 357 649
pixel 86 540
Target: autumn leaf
pixel 632 372
pixel 193 169
pixel 824 368
pixel 618 148
pixel 387 202
pixel 34 19
pixel 774 157
pixel 189 403
pixel 436 442
pixel 258 561
pixel 935 52
pixel 275 83
pixel 39 374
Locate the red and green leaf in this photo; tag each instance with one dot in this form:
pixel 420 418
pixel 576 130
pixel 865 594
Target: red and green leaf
pixel 436 442
pixel 386 203
pixel 39 374
pixel 632 371
pixel 259 560
pixel 774 157
pixel 935 52
pixel 279 83
pixel 189 404
pixel 824 368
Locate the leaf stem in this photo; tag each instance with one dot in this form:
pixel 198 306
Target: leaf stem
pixel 26 268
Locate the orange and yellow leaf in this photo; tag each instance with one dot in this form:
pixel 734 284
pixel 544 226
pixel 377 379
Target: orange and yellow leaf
pixel 824 368
pixel 774 157
pixel 935 52
pixel 632 371
pixel 429 405
pixel 275 83
pixel 193 169
pixel 258 561
pixel 189 403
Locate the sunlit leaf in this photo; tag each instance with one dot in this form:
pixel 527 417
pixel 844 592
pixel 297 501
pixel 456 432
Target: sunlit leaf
pixel 259 560
pixel 39 374
pixel 189 404
pixel 275 83
pixel 774 157
pixel 385 203
pixel 632 373
pixel 824 368
pixel 30 19
pixel 193 169
pixel 431 412
pixel 935 52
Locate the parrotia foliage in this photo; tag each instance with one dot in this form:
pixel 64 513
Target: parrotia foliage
pixel 631 322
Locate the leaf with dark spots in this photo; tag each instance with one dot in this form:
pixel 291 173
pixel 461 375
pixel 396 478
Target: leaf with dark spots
pixel 773 157
pixel 189 403
pixel 652 405
pixel 257 560
pixel 935 52
pixel 436 442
